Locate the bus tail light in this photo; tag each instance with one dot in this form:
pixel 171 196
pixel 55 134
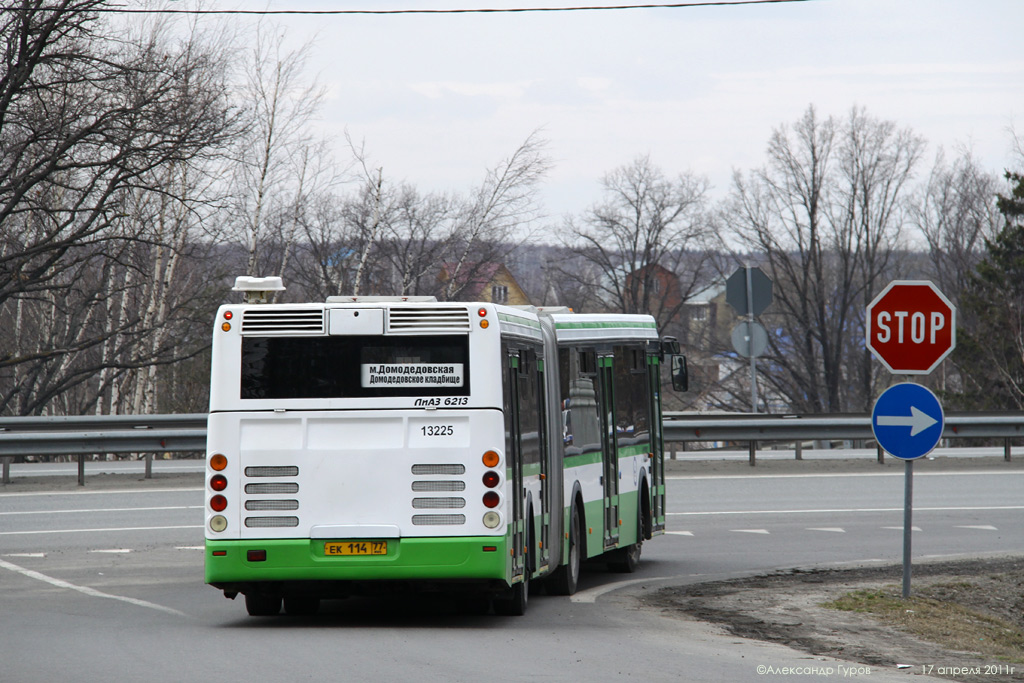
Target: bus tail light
pixel 218 462
pixel 218 482
pixel 491 479
pixel 491 519
pixel 218 503
pixel 491 499
pixel 218 523
pixel 491 459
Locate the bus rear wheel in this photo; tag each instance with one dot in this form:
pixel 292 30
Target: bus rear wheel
pixel 514 603
pixel 262 605
pixel 566 578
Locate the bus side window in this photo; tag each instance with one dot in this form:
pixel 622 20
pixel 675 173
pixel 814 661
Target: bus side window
pixel 581 425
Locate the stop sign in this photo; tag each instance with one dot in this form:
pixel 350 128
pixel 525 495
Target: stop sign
pixel 911 327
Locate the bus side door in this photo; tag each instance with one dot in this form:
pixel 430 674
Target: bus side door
pixel 609 450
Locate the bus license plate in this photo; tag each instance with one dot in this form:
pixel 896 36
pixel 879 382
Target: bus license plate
pixel 334 548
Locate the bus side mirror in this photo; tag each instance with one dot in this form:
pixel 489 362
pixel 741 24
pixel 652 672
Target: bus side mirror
pixel 680 374
pixel 669 348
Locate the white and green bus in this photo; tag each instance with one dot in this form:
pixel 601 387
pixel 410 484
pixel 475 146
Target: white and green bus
pixel 367 444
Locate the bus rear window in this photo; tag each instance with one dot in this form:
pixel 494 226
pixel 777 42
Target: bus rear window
pixel 354 367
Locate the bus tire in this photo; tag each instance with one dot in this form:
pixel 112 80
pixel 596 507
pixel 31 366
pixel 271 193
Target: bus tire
pixel 514 603
pixel 565 579
pixel 262 604
pixel 627 560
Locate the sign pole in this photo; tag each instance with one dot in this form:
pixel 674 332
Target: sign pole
pixel 908 514
pixel 750 323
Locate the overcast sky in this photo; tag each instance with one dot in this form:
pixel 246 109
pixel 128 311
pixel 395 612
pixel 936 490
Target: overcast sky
pixel 437 99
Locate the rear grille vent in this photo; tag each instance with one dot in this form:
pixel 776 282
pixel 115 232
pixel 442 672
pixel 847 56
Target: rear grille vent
pixel 256 505
pixel 436 486
pixel 438 503
pixel 283 471
pixel 438 520
pixel 276 487
pixel 434 318
pixel 283 321
pixel 270 522
pixel 439 469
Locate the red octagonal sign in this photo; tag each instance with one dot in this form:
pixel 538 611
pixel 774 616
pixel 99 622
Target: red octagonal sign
pixel 911 327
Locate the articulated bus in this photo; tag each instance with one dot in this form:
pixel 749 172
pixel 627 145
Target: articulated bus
pixel 382 444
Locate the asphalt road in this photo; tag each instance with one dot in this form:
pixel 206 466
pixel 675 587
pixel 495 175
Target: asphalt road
pixel 106 584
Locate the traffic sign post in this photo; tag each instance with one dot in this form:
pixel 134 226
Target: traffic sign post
pixel 910 327
pixel 749 291
pixel 907 421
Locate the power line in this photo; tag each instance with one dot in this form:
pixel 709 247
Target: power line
pixel 475 10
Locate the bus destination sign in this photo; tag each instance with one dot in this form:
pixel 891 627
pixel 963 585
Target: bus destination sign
pixel 412 375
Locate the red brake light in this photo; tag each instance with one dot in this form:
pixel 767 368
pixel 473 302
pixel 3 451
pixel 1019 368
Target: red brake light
pixel 218 482
pixel 491 479
pixel 218 503
pixel 491 499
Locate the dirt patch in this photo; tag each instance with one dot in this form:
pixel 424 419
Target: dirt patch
pixel 790 608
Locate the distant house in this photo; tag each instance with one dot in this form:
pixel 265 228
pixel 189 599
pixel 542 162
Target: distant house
pixel 486 281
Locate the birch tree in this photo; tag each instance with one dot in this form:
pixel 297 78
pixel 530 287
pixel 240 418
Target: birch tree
pixel 89 114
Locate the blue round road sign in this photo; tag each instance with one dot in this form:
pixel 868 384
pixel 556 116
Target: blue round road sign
pixel 907 421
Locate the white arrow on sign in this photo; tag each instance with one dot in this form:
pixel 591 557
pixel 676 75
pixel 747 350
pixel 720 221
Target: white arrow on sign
pixel 917 421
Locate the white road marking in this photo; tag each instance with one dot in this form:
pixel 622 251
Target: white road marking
pixel 113 551
pixel 899 528
pixel 981 527
pixel 592 594
pixel 110 492
pixel 750 531
pixel 89 531
pixel 24 554
pixel 94 510
pixel 190 547
pixel 819 475
pixel 92 592
pixel 679 533
pixel 834 510
pixel 833 529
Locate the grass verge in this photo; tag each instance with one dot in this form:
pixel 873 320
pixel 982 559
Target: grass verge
pixel 938 613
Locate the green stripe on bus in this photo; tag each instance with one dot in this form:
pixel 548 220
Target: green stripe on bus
pixel 407 558
pixel 515 320
pixel 605 325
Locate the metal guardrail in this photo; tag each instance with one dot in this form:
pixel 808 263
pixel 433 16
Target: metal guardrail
pixel 688 428
pixel 91 434
pixel 87 435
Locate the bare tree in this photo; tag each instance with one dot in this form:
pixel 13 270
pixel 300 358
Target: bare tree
pixel 279 165
pixel 647 225
pixel 825 215
pixel 90 118
pixel 956 212
pixel 498 215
